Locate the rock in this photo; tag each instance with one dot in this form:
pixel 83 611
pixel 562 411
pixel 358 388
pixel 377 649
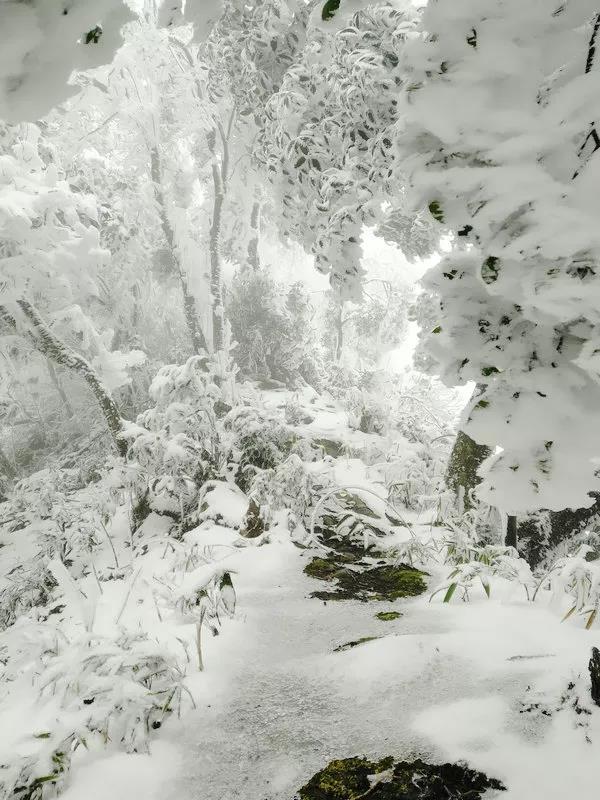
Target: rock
pixel 330 447
pixel 354 778
pixel 384 582
pixel 253 525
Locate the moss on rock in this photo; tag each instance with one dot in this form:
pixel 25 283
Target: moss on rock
pixel 388 616
pixel 352 778
pixel 385 583
pixel 324 569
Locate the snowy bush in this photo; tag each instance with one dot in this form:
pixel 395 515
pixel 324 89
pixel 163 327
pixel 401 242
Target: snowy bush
pixel 104 659
pixel 273 329
pixel 289 486
pixel 476 565
pixel 180 442
pixel 260 441
pixel 577 578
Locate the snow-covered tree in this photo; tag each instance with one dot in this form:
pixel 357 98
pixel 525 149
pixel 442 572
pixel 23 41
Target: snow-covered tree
pixel 44 41
pixel 499 135
pixel 328 142
pixel 51 258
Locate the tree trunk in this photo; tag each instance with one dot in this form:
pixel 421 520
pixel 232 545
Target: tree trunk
pixel 197 337
pixel 339 328
pixel 59 389
pixel 215 258
pixel 594 668
pixel 253 257
pixel 465 459
pixel 53 348
pixel 512 538
pixel 6 467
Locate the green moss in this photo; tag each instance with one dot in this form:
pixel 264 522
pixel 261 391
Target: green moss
pixel 325 569
pixel 388 616
pixel 465 460
pixel 343 779
pixel 348 779
pixel 355 643
pixel 385 583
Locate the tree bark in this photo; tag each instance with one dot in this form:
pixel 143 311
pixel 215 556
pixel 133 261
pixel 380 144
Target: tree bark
pixel 511 539
pixel 6 467
pixel 594 668
pixel 220 175
pixel 46 341
pixel 57 385
pixel 339 329
pixel 465 459
pixel 215 258
pixel 253 257
pixel 197 337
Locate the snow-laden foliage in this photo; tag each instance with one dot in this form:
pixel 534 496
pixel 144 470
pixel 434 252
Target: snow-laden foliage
pixel 272 329
pixel 578 578
pixel 180 442
pixel 327 142
pixel 44 41
pixel 497 134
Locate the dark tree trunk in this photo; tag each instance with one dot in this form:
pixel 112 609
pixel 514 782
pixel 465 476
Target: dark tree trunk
pixel 541 532
pixel 46 341
pixel 594 668
pixel 511 532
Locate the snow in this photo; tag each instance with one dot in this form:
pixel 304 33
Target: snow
pixel 275 703
pixel 179 659
pixel 120 777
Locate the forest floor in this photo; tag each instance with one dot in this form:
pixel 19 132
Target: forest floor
pixel 486 682
pixel 288 686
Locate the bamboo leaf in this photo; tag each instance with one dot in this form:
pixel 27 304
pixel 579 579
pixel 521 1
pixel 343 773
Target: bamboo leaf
pixel 450 592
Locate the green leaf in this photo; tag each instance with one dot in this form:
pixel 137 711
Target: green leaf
pixel 435 209
pixel 487 371
pixel 486 586
pixel 591 619
pixel 329 9
pixel 490 269
pixel 568 614
pixel 437 330
pixel 93 36
pixel 450 592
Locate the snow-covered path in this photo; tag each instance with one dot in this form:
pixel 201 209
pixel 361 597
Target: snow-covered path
pixel 276 704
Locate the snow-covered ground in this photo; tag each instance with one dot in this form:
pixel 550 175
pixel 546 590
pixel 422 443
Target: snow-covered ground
pixel 445 682
pixel 493 681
